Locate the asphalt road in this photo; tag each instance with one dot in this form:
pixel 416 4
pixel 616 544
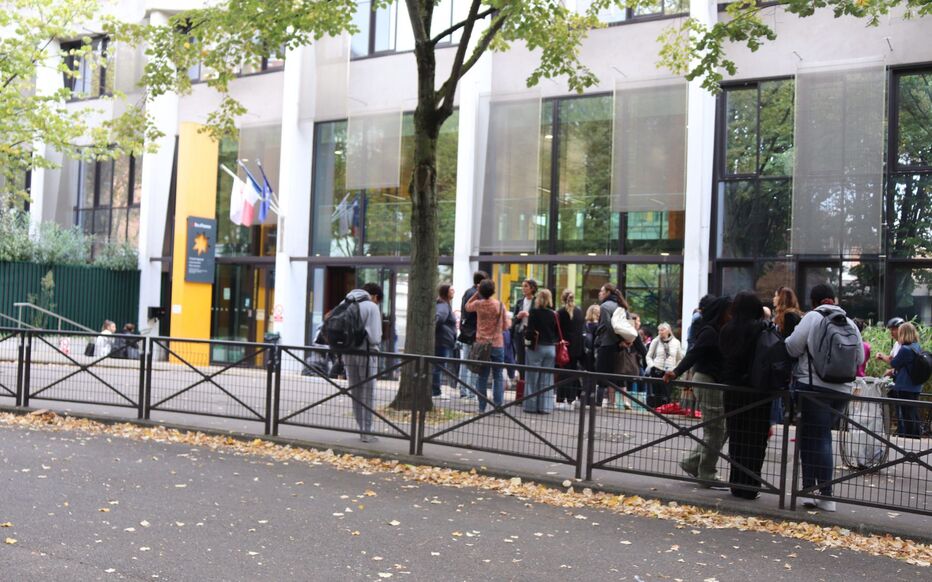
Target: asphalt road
pixel 96 508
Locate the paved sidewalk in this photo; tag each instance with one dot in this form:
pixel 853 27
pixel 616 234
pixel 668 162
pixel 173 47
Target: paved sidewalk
pixel 97 508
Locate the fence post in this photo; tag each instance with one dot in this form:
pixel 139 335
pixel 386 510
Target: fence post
pixel 27 365
pixel 785 446
pixel 147 400
pixel 20 354
pixel 276 410
pixel 141 399
pixel 269 387
pixel 592 393
pixel 419 375
pixel 791 415
pixel 581 434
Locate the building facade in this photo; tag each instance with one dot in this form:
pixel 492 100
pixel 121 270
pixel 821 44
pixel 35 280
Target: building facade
pixel 814 164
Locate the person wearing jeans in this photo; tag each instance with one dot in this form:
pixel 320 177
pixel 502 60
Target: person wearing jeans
pixel 542 337
pixel 498 382
pixel 490 323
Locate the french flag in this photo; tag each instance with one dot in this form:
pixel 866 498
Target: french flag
pixel 252 194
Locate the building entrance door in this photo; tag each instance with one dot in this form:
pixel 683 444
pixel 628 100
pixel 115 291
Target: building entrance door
pixel 244 296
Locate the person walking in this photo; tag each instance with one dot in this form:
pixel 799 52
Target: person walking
pixel 490 323
pixel 103 344
pixel 444 334
pixel 663 355
pixel 814 434
pixel 704 358
pixel 541 337
pixel 904 388
pixel 749 429
pixel 361 368
pixel 467 379
pixel 572 325
pixel 520 313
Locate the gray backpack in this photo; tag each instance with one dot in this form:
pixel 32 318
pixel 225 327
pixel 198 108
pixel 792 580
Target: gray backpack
pixel 834 348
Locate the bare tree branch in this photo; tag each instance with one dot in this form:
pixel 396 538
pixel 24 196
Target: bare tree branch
pixel 482 47
pixel 448 90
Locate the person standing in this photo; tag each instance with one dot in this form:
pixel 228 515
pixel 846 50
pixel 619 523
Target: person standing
pixel 467 379
pixel 904 388
pixel 748 430
pixel 541 342
pixel 103 344
pixel 663 355
pixel 704 358
pixel 444 334
pixel 589 347
pixel 786 316
pixel 520 313
pixel 361 368
pixel 817 418
pixel 490 323
pixel 607 342
pixel 572 326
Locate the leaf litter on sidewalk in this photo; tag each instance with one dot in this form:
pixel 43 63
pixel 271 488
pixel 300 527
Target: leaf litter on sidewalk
pixel 684 515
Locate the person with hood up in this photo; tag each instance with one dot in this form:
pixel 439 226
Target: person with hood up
pixel 747 430
pixel 360 368
pixel 704 357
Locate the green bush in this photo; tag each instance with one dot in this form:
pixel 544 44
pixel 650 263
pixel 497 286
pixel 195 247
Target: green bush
pixel 15 243
pixel 56 245
pixel 117 257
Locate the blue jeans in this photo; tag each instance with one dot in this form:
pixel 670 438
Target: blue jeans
pixel 467 376
pixel 440 352
pixel 817 417
pixel 498 382
pixel 907 417
pixel 538 381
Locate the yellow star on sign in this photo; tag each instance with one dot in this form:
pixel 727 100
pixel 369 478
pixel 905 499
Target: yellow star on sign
pixel 200 244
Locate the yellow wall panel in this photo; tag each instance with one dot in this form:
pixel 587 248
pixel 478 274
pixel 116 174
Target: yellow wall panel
pixel 196 195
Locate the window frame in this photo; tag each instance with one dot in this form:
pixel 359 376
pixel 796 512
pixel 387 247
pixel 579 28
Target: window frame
pixel 108 209
pixel 100 45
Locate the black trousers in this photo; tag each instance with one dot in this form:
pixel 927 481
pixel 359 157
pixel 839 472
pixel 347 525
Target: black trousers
pixel 568 391
pixel 747 438
pixel 605 358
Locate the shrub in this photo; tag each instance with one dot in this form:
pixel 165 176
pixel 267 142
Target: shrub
pixel 15 244
pixel 117 257
pixel 55 245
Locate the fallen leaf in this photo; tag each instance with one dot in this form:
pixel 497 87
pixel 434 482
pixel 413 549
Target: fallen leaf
pixel 385 574
pixel 104 510
pixel 9 541
pixel 6 524
pixel 394 522
pixel 144 523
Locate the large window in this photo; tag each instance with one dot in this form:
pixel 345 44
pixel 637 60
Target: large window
pixel 377 221
pixel 109 192
pixel 387 29
pixel 86 63
pixel 656 8
pixel 754 197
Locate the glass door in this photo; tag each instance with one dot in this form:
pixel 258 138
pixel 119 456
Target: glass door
pixel 242 305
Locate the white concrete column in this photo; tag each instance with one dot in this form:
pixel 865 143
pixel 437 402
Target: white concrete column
pixel 700 143
pixel 48 81
pixel 156 183
pixel 475 83
pixel 294 196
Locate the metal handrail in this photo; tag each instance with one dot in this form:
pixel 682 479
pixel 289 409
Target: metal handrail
pixel 60 318
pixel 19 324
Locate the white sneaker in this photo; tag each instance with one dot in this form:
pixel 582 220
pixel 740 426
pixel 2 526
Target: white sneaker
pixel 823 504
pixel 575 404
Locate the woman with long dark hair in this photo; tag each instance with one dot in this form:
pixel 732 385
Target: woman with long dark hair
pixel 786 311
pixel 607 343
pixel 573 328
pixel 747 430
pixel 444 333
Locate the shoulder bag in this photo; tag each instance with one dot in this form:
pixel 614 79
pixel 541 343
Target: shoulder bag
pixel 563 346
pixel 481 351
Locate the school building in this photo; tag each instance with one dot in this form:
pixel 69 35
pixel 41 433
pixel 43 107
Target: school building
pixel 814 164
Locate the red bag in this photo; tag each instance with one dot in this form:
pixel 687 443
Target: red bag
pixel 519 389
pixel 563 346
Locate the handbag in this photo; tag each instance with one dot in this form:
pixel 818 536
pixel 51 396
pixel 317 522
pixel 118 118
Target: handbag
pixel 627 363
pixel 563 350
pixel 89 349
pixel 480 351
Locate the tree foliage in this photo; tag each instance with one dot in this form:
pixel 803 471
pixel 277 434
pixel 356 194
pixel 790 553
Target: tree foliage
pixel 29 117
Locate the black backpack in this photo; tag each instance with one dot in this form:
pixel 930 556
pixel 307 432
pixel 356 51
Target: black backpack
pixel 344 328
pixel 921 369
pixel 772 367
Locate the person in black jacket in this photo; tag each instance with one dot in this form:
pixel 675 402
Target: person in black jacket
pixel 747 430
pixel 444 333
pixel 541 337
pixel 467 336
pixel 573 327
pixel 519 320
pixel 607 343
pixel 705 359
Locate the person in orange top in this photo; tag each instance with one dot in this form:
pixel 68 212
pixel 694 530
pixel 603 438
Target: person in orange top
pixel 490 323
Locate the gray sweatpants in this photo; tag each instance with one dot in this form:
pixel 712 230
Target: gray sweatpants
pixel 358 368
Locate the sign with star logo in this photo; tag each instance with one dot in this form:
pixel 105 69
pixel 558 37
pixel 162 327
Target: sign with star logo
pixel 202 247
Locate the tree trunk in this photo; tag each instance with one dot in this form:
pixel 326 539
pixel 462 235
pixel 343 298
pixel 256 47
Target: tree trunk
pixel 415 391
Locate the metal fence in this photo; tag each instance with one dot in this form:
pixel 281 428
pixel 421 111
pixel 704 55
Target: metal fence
pixel 795 445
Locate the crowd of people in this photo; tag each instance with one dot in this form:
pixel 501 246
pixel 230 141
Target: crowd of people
pixel 737 341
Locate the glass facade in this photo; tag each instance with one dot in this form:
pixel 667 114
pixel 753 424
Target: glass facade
pixel 754 193
pixel 109 193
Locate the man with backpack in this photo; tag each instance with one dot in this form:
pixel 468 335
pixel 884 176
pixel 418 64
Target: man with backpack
pixel 356 324
pixel 829 351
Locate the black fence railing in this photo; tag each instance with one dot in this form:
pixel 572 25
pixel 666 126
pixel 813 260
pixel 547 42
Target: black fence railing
pixel 797 445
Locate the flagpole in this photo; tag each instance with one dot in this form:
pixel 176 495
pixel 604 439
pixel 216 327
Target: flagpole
pixel 228 171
